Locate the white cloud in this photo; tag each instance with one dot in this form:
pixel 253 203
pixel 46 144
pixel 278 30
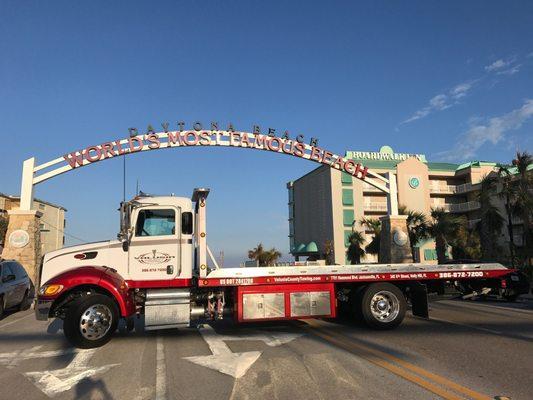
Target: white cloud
pixel 497 65
pixel 491 131
pixel 442 101
pixel 510 71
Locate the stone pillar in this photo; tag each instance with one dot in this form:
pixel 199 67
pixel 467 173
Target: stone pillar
pixel 23 241
pixel 394 244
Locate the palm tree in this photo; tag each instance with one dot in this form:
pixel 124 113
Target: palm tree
pixel 508 193
pixel 417 226
pixel 442 228
pixel 373 225
pixel 466 244
pixel 524 201
pixel 264 257
pixel 491 221
pixel 329 252
pixel 355 247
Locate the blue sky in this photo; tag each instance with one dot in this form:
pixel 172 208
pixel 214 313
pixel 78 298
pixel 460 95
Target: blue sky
pixel 452 80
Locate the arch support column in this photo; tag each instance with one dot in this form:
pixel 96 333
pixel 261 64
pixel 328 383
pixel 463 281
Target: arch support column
pixel 395 247
pixel 23 241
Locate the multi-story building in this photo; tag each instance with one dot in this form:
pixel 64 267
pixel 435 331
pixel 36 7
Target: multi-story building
pixel 52 223
pixel 326 204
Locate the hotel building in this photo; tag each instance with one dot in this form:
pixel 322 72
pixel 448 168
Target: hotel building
pixel 326 204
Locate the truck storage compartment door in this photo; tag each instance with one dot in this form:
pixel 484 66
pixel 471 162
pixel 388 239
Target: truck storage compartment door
pixel 275 302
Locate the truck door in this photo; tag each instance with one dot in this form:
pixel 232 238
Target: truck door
pixel 154 251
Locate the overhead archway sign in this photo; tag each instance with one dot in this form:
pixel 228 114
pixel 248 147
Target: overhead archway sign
pixel 151 140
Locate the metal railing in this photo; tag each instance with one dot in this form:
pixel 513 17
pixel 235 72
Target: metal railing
pixel 466 187
pixel 442 188
pixel 369 188
pixel 459 207
pixel 374 206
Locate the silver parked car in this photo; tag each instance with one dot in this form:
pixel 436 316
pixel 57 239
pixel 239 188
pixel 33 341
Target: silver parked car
pixel 15 286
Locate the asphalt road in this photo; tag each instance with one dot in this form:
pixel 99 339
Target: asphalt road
pixel 469 349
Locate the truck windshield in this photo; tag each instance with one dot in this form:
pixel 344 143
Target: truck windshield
pixel 156 223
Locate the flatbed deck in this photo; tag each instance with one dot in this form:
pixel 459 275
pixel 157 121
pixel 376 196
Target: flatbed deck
pixel 350 273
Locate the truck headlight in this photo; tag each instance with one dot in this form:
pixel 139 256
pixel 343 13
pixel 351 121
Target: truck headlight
pixel 50 290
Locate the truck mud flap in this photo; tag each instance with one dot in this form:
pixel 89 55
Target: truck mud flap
pixel 419 300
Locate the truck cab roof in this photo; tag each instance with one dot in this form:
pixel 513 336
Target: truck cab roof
pixel 184 203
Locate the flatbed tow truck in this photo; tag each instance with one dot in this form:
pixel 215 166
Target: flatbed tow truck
pixel 158 268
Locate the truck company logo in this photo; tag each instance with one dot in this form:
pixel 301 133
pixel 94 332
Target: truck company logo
pixel 155 257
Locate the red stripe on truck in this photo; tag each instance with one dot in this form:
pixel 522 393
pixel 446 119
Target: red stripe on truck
pixel 132 284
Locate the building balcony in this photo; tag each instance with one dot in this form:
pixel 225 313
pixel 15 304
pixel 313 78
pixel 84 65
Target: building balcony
pixel 367 187
pixel 459 207
pixel 444 189
pixel 466 187
pixel 374 206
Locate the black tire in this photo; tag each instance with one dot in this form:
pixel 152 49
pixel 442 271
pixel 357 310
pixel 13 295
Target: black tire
pixel 73 319
pixel 2 308
pixel 395 303
pixel 24 304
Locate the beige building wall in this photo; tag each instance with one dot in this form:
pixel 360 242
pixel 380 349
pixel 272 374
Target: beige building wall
pixel 413 185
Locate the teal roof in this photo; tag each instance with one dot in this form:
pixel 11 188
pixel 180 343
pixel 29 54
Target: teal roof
pixel 476 164
pixel 440 166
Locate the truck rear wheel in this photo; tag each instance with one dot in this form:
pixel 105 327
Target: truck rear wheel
pixel 91 321
pixel 383 306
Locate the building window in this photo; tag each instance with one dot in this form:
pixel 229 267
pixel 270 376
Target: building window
pixel 346 238
pixel 430 254
pixel 347 217
pixel 346 179
pixel 347 197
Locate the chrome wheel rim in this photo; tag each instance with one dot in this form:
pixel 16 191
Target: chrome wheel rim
pixel 385 306
pixel 95 322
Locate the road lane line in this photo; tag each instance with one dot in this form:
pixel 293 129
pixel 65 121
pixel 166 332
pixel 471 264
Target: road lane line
pixel 380 358
pixel 161 371
pixel 15 321
pixel 479 328
pixel 502 308
pixel 388 366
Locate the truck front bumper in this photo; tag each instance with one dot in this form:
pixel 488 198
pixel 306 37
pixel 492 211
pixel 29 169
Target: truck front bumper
pixel 42 309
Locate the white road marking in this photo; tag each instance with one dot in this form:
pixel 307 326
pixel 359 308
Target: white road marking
pixel 235 364
pixel 15 321
pixel 14 358
pixel 57 381
pixel 161 371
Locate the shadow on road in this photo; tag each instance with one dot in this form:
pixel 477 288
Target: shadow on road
pixel 92 389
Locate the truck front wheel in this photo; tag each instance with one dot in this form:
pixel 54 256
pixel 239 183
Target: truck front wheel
pixel 383 306
pixel 91 321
